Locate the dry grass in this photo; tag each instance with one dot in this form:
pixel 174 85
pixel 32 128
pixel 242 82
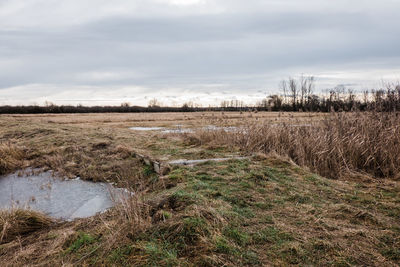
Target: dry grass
pixel 11 157
pixel 265 211
pixel 339 146
pixel 133 214
pixel 19 222
pixel 164 119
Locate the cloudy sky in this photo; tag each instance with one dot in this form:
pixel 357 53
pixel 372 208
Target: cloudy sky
pixel 107 52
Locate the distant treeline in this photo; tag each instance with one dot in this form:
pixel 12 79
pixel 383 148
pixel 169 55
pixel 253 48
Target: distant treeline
pixel 33 109
pixel 296 95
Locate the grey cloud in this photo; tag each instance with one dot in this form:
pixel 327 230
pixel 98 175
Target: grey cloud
pixel 219 27
pixel 237 50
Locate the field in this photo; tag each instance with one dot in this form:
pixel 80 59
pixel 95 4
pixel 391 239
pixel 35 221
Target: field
pixel 317 189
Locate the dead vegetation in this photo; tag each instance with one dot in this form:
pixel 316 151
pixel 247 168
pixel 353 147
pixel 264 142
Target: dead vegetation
pixel 267 211
pixel 342 145
pixel 18 222
pixel 11 157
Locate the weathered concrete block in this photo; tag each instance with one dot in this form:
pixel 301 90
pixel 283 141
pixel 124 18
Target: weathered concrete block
pixel 156 167
pixel 147 161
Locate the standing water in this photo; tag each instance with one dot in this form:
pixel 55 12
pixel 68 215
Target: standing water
pixel 61 199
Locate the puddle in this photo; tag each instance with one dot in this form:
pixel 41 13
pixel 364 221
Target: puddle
pixel 182 130
pixel 61 199
pixel 163 129
pixel 218 128
pixel 179 129
pixel 291 125
pixel 146 128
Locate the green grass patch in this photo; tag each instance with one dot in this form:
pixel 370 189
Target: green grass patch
pixel 236 166
pixel 276 175
pixel 267 219
pixel 244 212
pixel 239 237
pixel 177 174
pixel 148 170
pixel 200 185
pixel 300 199
pixel 258 176
pixel 271 235
pixel 264 205
pixel 204 176
pixel 83 240
pixel 120 255
pixel 182 198
pixel 222 245
pixel 317 180
pixel 160 254
pixel 251 258
pixel 193 228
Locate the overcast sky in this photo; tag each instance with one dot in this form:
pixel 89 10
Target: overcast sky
pixel 108 52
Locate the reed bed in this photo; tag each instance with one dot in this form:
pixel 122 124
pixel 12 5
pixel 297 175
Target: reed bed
pixel 341 145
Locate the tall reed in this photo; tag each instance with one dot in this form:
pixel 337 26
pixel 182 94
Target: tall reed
pixel 342 144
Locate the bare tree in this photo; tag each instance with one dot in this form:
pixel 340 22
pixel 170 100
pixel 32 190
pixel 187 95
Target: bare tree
pixel 303 89
pixel 275 101
pixel 366 96
pixel 293 91
pixel 283 87
pixel 339 90
pixel 310 88
pixel 154 103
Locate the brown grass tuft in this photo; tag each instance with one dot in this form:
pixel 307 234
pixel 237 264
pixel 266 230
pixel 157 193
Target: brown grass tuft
pixel 11 157
pixel 19 222
pixel 134 214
